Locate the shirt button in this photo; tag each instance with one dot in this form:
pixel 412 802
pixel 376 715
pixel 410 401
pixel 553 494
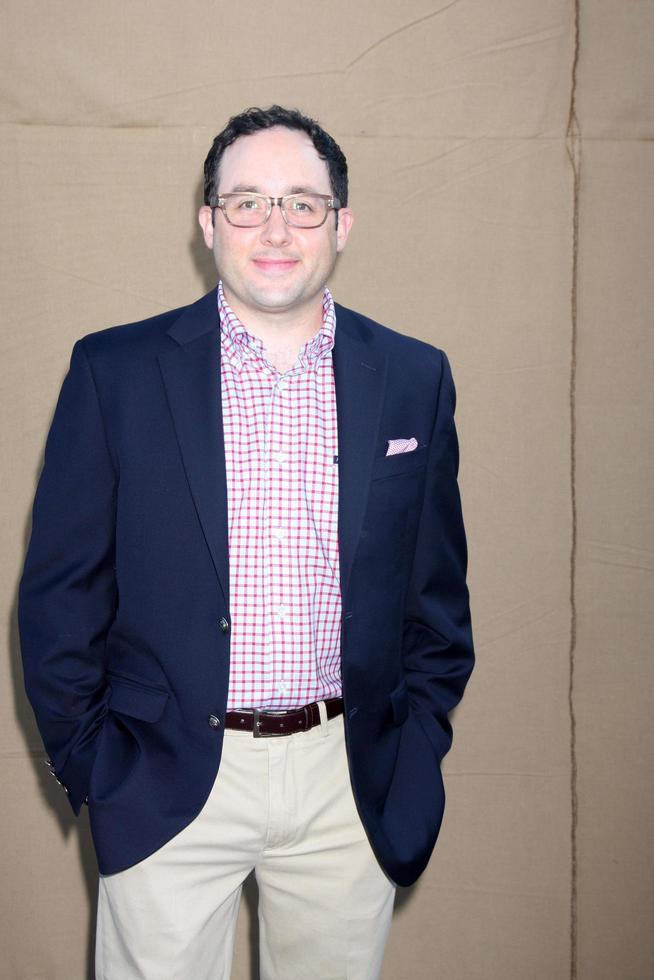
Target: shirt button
pixel 224 624
pixel 282 610
pixel 214 721
pixel 279 533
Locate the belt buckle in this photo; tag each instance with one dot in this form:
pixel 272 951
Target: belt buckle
pixel 256 723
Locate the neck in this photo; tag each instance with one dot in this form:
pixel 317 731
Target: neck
pixel 280 331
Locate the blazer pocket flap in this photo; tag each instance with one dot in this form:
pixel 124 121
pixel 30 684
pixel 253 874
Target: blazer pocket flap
pixel 400 702
pixel 136 700
pixel 399 463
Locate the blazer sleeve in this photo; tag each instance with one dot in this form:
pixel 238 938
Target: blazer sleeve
pixel 67 593
pixel 437 638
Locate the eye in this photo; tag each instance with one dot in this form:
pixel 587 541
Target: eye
pixel 248 204
pixel 302 205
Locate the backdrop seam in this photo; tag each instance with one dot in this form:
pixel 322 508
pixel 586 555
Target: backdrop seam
pixel 573 148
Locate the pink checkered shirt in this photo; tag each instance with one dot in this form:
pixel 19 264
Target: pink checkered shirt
pixel 282 494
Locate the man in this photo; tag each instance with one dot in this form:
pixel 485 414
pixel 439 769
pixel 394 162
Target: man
pixel 243 612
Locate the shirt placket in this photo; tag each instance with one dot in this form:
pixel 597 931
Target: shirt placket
pixel 277 512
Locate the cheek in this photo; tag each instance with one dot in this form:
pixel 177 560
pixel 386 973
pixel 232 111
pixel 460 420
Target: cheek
pixel 226 252
pixel 322 253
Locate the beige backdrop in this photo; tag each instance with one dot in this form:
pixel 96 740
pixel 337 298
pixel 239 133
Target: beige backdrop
pixel 502 160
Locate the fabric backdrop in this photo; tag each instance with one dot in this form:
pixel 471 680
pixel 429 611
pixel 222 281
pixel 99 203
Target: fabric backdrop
pixel 501 158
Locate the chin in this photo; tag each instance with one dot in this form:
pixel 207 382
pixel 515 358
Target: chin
pixel 276 298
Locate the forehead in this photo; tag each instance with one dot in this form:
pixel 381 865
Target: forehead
pixel 273 160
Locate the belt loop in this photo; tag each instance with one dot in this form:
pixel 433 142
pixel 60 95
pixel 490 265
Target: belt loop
pixel 322 711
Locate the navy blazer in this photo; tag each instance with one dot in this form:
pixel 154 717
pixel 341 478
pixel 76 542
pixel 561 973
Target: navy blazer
pixel 124 598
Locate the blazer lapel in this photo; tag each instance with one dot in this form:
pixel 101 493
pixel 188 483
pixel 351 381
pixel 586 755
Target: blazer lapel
pixel 359 379
pixel 191 374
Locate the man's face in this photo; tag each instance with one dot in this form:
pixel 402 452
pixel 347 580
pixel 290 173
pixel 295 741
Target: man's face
pixel 274 268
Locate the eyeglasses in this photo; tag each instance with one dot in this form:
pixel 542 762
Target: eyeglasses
pixel 245 210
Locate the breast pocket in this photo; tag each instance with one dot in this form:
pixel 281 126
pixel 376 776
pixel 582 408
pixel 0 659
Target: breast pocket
pixel 395 495
pixel 387 466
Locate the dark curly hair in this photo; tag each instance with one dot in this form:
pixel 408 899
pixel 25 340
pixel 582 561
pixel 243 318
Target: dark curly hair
pixel 252 120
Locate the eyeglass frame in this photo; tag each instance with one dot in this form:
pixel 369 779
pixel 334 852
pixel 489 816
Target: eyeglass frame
pixel 333 204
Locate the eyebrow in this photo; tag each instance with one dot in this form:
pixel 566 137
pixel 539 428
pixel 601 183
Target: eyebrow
pixel 253 189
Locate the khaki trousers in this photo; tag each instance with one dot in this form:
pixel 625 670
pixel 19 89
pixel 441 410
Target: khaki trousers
pixel 282 807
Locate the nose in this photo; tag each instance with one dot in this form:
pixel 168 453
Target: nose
pixel 275 231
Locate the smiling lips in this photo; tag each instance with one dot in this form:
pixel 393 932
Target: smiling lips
pixel 274 265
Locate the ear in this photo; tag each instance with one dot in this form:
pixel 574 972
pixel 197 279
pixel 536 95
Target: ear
pixel 345 221
pixel 205 218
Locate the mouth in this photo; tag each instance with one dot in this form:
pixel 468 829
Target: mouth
pixel 274 266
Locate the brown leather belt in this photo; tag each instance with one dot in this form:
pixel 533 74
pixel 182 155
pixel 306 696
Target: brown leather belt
pixel 264 724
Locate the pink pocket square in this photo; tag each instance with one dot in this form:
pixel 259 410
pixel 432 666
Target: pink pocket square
pixel 396 446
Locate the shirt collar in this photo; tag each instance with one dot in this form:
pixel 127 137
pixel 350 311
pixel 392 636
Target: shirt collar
pixel 242 346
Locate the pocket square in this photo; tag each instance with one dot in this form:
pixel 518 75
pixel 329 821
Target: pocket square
pixel 396 446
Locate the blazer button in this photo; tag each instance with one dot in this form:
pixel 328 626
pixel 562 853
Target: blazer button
pixel 214 722
pixel 224 624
